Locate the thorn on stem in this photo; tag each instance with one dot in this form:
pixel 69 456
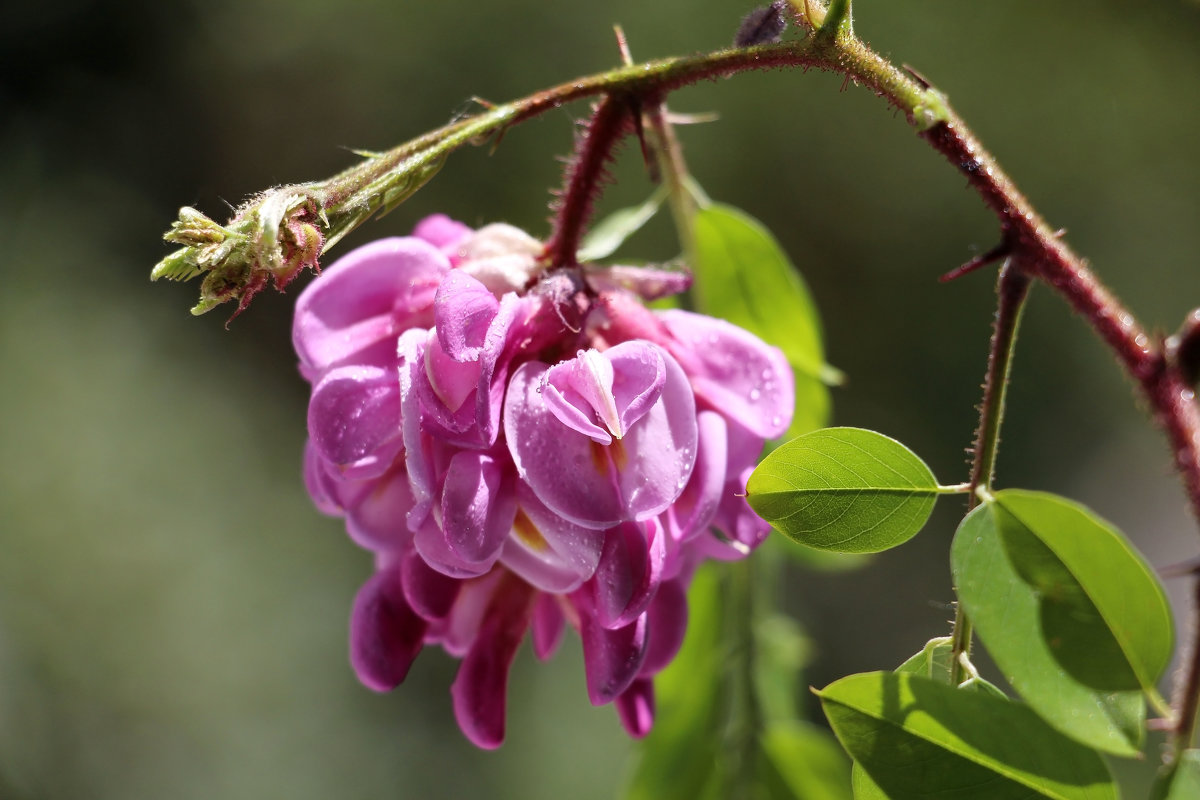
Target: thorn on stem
pixel 623 46
pixel 1000 251
pixel 1181 569
pixel 918 77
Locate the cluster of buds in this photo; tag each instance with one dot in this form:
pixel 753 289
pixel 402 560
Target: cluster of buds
pixel 526 449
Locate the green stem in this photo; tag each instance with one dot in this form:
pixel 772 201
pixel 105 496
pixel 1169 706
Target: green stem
pixel 746 718
pixel 1012 288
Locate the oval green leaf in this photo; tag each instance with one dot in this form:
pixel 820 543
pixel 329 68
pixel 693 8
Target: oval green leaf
pixel 1006 611
pixel 915 737
pixel 743 275
pixel 844 489
pixel 1104 614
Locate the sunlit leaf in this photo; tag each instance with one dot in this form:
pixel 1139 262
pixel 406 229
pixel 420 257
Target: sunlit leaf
pixel 743 275
pixel 844 489
pixel 1104 614
pixel 611 232
pixel 932 662
pixel 1007 612
pixel 916 737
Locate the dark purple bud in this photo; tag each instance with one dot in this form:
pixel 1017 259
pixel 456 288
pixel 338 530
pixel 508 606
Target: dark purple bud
pixel 1183 349
pixel 762 26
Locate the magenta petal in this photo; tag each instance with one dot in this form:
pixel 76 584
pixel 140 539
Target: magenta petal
pixel 629 572
pixel 354 418
pixel 635 707
pixel 353 311
pixel 639 374
pixel 592 485
pixel 649 283
pixel 429 593
pixel 477 507
pixel 385 634
pixel 734 371
pixel 693 512
pixel 611 658
pixel 548 625
pixel 376 516
pixel 549 552
pixel 450 384
pixel 321 485
pixel 441 231
pixel 668 617
pixel 481 685
pixel 417 459
pixel 463 310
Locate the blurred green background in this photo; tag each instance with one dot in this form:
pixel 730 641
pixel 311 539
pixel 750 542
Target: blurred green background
pixel 173 612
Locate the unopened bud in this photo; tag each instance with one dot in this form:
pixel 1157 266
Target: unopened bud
pixel 762 25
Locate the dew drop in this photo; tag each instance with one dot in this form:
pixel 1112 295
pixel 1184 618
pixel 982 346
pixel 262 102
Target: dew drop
pixel 754 395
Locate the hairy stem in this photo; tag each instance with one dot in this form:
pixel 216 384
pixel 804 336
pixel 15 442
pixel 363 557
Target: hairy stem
pixel 584 175
pixel 1012 288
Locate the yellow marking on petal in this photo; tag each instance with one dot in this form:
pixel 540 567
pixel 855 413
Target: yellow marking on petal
pixel 528 533
pixel 616 451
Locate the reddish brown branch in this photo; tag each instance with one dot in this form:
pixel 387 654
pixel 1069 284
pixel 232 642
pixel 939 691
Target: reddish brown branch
pixel 585 174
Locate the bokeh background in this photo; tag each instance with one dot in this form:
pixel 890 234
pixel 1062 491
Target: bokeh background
pixel 173 612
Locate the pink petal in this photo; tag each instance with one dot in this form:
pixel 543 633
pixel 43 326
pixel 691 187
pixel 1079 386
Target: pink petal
pixel 693 512
pixel 417 455
pixel 320 483
pixel 481 685
pixel 551 553
pixel 354 419
pixel 629 572
pixel 385 634
pixel 429 593
pixel 375 517
pixel 668 618
pixel 588 483
pixel 353 311
pixel 734 371
pixel 478 506
pixel 649 283
pixel 635 707
pixel 548 625
pixel 463 309
pixel 611 658
pixel 441 231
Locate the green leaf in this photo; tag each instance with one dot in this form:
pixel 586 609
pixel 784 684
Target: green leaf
pixel 1181 780
pixel 932 662
pixel 916 737
pixel 844 489
pixel 864 787
pixel 1006 610
pixel 611 232
pixel 1104 613
pixel 807 760
pixel 743 275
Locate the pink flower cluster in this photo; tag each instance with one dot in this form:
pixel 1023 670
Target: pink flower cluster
pixel 525 448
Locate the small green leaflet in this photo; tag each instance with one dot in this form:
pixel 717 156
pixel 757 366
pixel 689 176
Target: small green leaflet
pixel 611 232
pixel 743 275
pixel 1035 573
pixel 1182 779
pixel 915 737
pixel 844 489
